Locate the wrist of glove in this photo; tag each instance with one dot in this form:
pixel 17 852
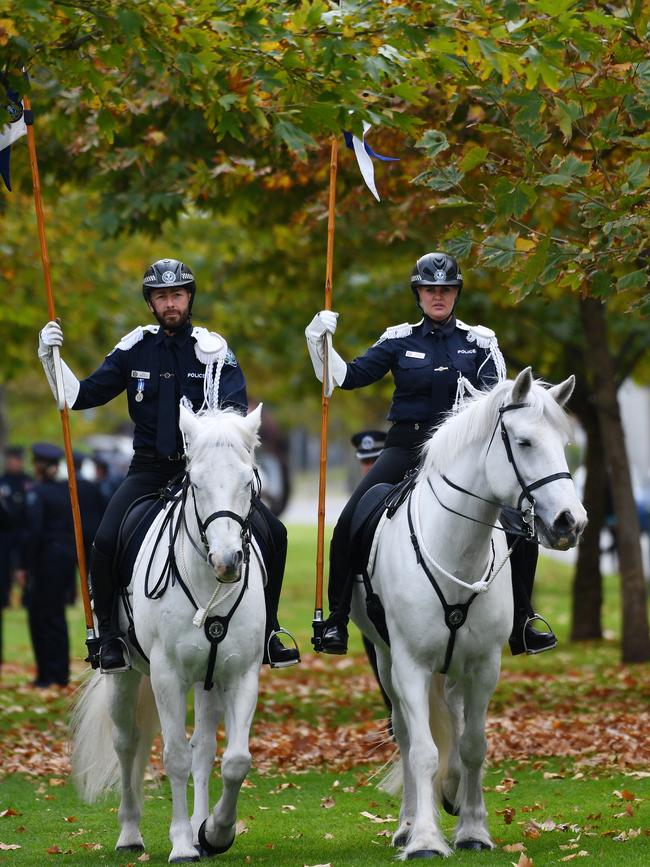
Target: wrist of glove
pixel 323 322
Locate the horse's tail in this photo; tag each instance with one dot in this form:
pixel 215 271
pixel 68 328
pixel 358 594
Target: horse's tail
pixel 441 725
pixel 95 766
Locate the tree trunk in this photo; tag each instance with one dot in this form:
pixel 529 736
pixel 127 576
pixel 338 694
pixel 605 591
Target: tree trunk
pixel 588 582
pixel 635 637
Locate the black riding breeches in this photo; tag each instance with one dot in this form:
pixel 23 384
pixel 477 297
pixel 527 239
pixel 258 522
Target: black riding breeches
pixel 391 466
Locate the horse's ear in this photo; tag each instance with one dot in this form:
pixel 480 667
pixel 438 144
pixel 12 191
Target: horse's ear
pixel 522 386
pixel 254 418
pixel 563 391
pixel 187 421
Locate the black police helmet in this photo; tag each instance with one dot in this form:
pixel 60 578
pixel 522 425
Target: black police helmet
pixel 166 273
pixel 436 269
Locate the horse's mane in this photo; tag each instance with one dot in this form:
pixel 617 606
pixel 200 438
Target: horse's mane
pixel 478 418
pixel 222 427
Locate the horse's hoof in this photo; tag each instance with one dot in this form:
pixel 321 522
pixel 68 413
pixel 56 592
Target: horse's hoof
pixel 474 845
pixel 449 807
pixel 185 859
pixel 423 853
pixel 208 847
pixel 132 847
pixel 401 840
pixel 202 852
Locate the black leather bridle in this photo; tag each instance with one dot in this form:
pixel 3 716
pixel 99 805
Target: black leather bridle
pixel 517 520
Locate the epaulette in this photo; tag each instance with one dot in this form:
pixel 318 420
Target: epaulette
pixel 395 331
pixel 209 345
pixel 135 336
pixel 478 334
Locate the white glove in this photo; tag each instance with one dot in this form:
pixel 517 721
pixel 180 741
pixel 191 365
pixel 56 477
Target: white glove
pixel 323 322
pixel 49 337
pixel 319 334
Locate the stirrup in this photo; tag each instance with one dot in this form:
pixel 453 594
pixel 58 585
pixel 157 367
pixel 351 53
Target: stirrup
pixel 273 634
pixel 120 668
pixel 529 650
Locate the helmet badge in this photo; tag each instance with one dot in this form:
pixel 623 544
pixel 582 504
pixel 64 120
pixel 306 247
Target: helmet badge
pixel 440 274
pixel 168 277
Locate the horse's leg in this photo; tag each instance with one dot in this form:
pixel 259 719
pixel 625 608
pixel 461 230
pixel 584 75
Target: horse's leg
pixel 411 681
pixel 217 834
pixel 122 699
pixel 453 693
pixel 400 732
pixel 207 713
pixel 472 831
pixel 171 698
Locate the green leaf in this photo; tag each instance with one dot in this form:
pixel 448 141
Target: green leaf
pixel 460 246
pixel 473 157
pixel 568 170
pixel 637 172
pixel 534 134
pixel 566 115
pixel 499 250
pixel 633 280
pixel 295 139
pixel 536 263
pixel 445 178
pixel 601 284
pixel 432 142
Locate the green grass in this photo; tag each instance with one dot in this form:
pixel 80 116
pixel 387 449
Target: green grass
pixel 592 804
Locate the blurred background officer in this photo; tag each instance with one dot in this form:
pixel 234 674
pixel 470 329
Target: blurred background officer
pixel 368 445
pixel 51 560
pixel 13 492
pixel 92 505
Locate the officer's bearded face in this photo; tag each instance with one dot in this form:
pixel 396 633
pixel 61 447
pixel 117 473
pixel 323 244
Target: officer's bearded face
pixel 437 302
pixel 171 307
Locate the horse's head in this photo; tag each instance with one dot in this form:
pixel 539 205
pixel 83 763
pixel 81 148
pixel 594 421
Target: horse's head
pixel 220 448
pixel 531 465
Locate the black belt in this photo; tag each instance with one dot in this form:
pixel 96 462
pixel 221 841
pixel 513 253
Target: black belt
pixel 151 453
pixel 408 434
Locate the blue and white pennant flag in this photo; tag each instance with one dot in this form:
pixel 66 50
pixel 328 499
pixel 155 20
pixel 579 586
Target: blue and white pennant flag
pixel 365 154
pixel 10 131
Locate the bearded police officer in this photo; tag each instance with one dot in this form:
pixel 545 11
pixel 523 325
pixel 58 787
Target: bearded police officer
pixel 434 364
pixel 158 365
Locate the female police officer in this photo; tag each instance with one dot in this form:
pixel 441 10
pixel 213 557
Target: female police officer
pixel 433 362
pixel 157 365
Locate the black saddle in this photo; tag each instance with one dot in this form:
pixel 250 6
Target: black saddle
pixel 381 498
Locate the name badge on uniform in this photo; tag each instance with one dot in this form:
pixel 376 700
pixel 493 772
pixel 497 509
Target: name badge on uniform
pixel 411 354
pixel 140 375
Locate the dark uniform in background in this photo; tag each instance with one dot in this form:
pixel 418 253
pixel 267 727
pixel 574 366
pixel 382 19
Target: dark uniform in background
pixel 50 558
pixel 13 492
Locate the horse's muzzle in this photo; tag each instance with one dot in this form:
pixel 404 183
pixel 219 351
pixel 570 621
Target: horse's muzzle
pixel 564 532
pixel 227 568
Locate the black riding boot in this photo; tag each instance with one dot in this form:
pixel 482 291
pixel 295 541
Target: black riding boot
pixel 334 634
pixel 113 654
pixel 275 653
pixel 525 638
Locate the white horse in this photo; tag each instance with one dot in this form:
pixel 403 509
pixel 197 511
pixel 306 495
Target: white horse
pixel 212 570
pixel 503 446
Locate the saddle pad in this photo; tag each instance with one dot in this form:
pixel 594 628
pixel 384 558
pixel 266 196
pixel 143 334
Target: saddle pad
pixel 365 518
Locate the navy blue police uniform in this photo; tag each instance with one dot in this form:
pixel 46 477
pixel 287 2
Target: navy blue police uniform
pixel 432 365
pixel 50 559
pixel 13 494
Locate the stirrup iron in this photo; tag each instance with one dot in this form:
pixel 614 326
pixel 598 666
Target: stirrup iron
pixel 531 651
pixel 281 631
pixel 127 656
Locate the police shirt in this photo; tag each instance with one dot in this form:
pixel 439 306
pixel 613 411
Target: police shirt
pixel 427 362
pixel 137 365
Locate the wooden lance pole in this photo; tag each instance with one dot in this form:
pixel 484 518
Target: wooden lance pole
pixel 320 543
pixel 72 479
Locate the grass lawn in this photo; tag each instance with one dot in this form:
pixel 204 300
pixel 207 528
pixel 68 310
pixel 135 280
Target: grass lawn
pixel 566 773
